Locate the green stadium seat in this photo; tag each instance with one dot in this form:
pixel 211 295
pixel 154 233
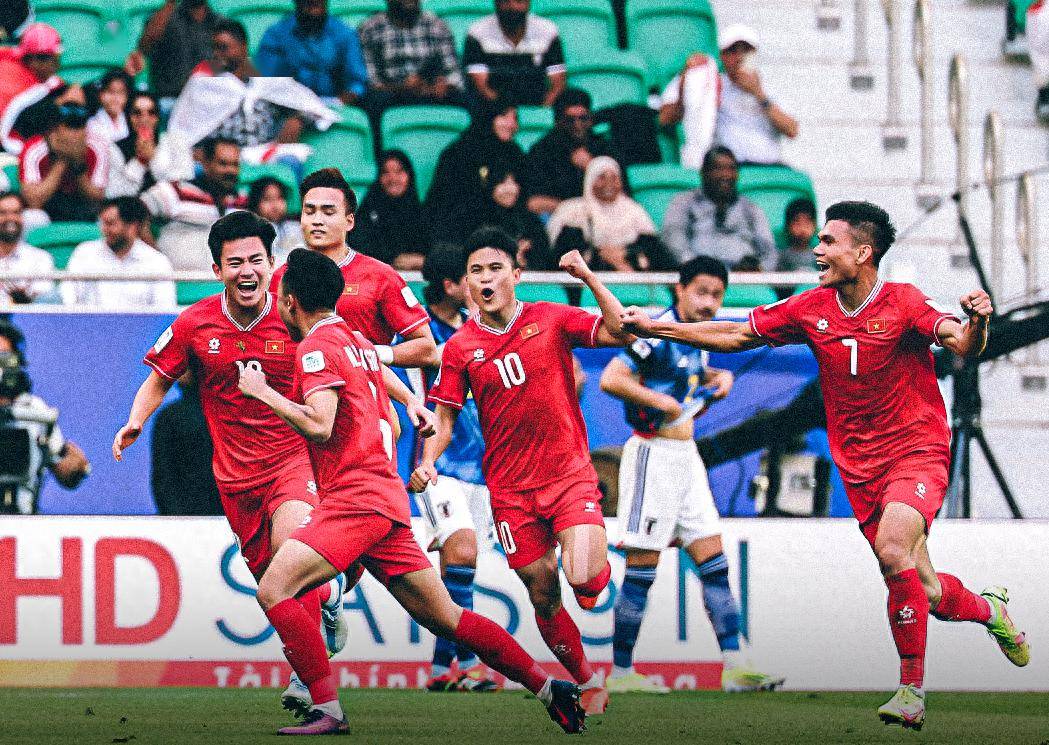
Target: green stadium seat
pixel 423 132
pixel 586 26
pixel 354 12
pixel 654 185
pixel 532 293
pixel 93 35
pixel 137 14
pixel 256 15
pixel 666 32
pixel 188 293
pixel 1019 8
pixel 749 296
pixel 11 172
pixel 347 145
pixel 641 295
pixel 772 188
pixel 614 78
pixel 279 171
pixel 534 121
pixel 459 15
pixel 60 238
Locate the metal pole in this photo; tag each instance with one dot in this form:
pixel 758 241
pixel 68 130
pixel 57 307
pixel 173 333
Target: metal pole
pixel 1027 239
pixel 828 15
pixel 958 117
pixel 893 136
pixel 925 190
pixel 992 172
pixel 860 76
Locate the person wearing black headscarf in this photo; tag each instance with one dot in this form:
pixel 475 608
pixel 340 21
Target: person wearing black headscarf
pixel 390 224
pixel 504 207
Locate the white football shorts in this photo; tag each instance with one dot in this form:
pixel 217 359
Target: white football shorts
pixel 451 505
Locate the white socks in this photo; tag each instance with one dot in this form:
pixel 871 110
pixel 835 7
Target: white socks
pixel 332 709
pixel 546 694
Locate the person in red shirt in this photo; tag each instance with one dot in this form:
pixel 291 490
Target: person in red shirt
pixel 886 421
pixel 342 409
pixel 516 360
pixel 376 300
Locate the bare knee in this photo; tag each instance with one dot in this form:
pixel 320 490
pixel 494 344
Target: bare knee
pixel 272 590
pixel 544 592
pixel 893 557
pixel 460 549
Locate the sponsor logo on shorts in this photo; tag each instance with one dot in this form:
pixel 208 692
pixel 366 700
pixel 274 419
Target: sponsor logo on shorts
pixel 306 521
pixel 919 490
pixel 590 507
pixel 311 487
pixel 478 355
pixel 822 324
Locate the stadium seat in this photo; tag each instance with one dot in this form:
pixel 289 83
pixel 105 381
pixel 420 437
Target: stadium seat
pixel 347 144
pixel 641 295
pixel 616 77
pixel 666 32
pixel 279 171
pixel 256 15
pixel 188 293
pixel 772 188
pixel 545 292
pixel 93 35
pixel 354 12
pixel 60 238
pixel 586 26
pixel 654 185
pixel 1020 8
pixel 459 15
pixel 11 172
pixel 749 296
pixel 423 132
pixel 535 121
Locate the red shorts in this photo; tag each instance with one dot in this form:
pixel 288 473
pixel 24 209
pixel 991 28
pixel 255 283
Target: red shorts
pixel 385 548
pixel 918 480
pixel 249 511
pixel 527 521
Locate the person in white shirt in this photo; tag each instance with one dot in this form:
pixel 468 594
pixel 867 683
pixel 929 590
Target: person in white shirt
pixel 120 251
pixel 18 256
pixel 110 123
pixel 146 157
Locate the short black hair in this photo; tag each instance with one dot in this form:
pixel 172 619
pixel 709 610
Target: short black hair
pixel 14 335
pixel 443 261
pixel 716 152
pixel 130 209
pixel 239 224
pixel 257 190
pixel 330 178
pixel 707 265
pixel 113 74
pixel 315 280
pixel 13 194
pixel 233 28
pixel 211 144
pixel 870 220
pixel 800 206
pixel 570 97
pixel 488 236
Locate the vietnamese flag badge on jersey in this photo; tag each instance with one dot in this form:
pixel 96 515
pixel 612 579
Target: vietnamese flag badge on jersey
pixel 275 347
pixel 877 326
pixel 529 331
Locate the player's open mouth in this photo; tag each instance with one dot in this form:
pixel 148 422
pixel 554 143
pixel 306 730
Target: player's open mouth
pixel 247 287
pixel 487 293
pixel 822 267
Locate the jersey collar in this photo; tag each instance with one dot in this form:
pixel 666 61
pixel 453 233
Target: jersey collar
pixel 350 256
pixel 229 316
pixel 870 299
pixel 500 332
pixel 334 318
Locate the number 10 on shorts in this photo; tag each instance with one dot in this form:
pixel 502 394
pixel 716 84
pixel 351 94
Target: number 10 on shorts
pixel 506 538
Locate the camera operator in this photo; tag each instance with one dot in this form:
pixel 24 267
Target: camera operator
pixel 30 439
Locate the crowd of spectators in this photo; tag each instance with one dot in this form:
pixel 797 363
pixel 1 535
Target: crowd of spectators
pixel 153 151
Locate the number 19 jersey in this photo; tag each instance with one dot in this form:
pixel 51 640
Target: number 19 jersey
pixel 523 382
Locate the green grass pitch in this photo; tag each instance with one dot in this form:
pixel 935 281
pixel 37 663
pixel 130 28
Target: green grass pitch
pixel 235 717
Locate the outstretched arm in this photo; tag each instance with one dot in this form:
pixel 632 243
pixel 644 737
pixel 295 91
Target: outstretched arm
pixel 148 399
pixel 611 333
pixel 313 420
pixel 715 336
pixel 968 339
pixel 426 473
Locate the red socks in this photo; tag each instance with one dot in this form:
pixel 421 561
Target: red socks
pixel 959 604
pixel 324 592
pixel 592 588
pixel 909 621
pixel 304 647
pixel 311 603
pixel 562 636
pixel 499 651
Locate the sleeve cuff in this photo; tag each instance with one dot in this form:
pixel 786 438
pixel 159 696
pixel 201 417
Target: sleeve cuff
pixel 323 386
pixel 593 331
pixel 434 399
pixel 754 325
pixel 161 371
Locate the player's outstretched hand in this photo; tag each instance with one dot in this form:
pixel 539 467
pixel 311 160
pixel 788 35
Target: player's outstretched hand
pixel 127 435
pixel 424 420
pixel 635 321
pixel 574 263
pixel 977 305
pixel 423 475
pixel 252 381
pixel 722 382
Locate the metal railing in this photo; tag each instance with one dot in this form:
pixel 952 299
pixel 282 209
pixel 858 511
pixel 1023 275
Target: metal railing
pixel 925 190
pixel 893 136
pixel 992 174
pixel 958 119
pixel 860 76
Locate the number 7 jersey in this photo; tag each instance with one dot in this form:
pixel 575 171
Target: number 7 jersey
pixel 876 371
pixel 523 382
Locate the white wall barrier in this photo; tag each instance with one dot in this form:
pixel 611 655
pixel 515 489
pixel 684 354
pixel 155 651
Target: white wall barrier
pixel 167 601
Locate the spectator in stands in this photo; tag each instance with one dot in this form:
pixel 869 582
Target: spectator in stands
pixel 505 208
pixel 120 251
pixel 410 55
pixel 18 256
pixel 319 51
pixel 800 222
pixel 268 198
pixel 611 230
pixel 191 207
pixel 146 157
pixel 64 171
pixel 556 164
pixel 1038 48
pixel 181 476
pixel 715 221
pixel 390 224
pixel 691 100
pixel 516 56
pixel 176 39
pixel 30 86
pixel 749 123
pixel 109 122
pixel 461 182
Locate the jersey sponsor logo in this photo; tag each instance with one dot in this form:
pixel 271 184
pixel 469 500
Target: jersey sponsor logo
pixel 409 297
pixel 877 326
pixel 163 339
pixel 274 346
pixel 919 490
pixel 822 325
pixel 313 361
pixel 530 330
pixel 354 289
pixel 213 346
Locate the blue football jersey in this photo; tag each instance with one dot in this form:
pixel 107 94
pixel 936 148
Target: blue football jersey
pixel 669 367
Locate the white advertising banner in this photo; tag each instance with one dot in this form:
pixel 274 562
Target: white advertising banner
pixel 168 601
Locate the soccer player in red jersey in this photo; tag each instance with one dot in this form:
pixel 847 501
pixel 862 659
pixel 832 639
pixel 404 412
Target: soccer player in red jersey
pixel 516 359
pixel 886 422
pixel 342 410
pixel 376 300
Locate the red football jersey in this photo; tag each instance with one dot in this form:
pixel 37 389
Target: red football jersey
pixel 376 301
pixel 876 371
pixel 524 385
pixel 357 467
pixel 251 443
